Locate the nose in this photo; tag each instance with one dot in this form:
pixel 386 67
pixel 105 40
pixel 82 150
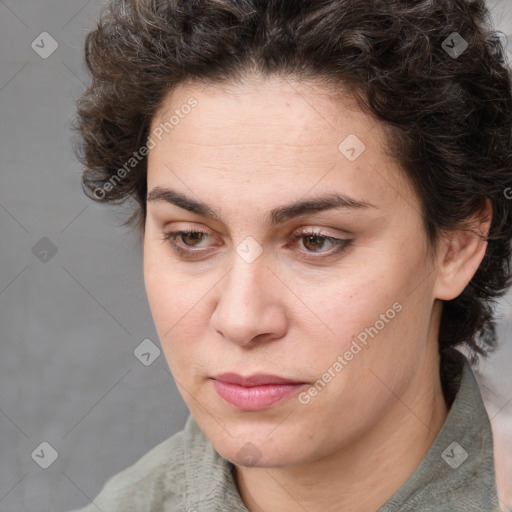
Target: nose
pixel 248 308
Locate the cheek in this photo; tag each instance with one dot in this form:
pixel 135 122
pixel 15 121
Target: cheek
pixel 383 337
pixel 177 305
pixel 175 312
pixel 368 322
pixel 348 307
pixel 167 295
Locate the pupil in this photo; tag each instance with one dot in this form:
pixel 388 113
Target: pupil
pixel 194 236
pixel 315 241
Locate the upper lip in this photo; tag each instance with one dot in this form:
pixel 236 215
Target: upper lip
pixel 258 379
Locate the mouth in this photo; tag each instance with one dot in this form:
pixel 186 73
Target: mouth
pixel 255 392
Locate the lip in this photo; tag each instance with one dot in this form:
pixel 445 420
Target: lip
pixel 255 392
pixel 258 379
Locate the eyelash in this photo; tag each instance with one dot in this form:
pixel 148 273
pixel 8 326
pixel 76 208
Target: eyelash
pixel 341 243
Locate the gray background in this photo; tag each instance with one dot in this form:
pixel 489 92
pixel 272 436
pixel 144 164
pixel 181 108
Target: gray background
pixel 69 326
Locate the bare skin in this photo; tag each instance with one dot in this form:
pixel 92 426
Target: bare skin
pixel 300 304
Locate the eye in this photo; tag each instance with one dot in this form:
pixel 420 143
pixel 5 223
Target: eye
pixel 315 242
pixel 189 239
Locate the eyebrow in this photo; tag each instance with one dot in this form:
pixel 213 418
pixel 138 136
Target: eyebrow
pixel 276 216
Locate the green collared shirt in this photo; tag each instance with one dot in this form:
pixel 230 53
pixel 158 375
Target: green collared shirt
pixel 184 473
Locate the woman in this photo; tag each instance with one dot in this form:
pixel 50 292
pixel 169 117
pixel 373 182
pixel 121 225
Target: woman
pixel 321 199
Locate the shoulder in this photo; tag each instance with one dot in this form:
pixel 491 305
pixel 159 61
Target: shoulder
pixel 154 482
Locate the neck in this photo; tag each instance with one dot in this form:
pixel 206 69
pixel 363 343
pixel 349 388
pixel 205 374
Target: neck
pixel 352 478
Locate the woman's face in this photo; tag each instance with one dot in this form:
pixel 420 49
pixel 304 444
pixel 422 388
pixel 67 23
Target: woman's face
pixel 346 311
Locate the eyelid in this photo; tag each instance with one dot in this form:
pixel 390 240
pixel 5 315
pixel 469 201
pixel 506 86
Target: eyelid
pixel 322 231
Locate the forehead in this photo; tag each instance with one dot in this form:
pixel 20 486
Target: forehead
pixel 260 107
pixel 270 132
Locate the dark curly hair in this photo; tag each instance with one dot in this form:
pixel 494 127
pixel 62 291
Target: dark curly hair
pixel 447 116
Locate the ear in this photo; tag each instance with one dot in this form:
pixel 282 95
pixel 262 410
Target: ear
pixel 460 253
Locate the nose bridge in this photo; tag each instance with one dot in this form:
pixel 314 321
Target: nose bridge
pixel 245 283
pixel 246 307
pixel 248 266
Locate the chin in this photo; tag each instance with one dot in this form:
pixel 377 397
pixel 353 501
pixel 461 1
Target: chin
pixel 257 449
pixel 252 456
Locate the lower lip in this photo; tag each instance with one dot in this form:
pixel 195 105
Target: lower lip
pixel 254 398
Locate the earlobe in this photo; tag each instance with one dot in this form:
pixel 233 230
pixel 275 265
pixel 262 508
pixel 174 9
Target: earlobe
pixel 460 253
